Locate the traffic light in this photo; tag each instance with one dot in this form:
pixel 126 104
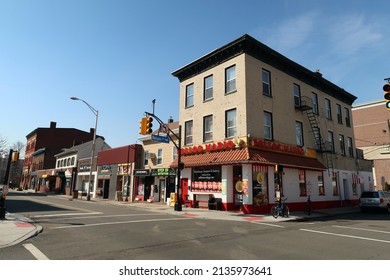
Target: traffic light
pixel 15 156
pixel 386 89
pixel 149 125
pixel 142 126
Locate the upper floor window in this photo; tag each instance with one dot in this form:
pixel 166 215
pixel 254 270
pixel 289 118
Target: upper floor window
pixel 328 111
pixel 266 76
pixel 146 158
pixel 350 147
pixel 188 133
pixel 331 141
pixel 159 156
pixel 338 112
pixel 297 95
pixel 208 128
pixel 342 144
pixel 268 126
pixel 230 79
pixel 230 125
pixel 208 88
pixel 314 102
pixel 347 118
pixel 190 95
pixel 174 153
pixel 299 133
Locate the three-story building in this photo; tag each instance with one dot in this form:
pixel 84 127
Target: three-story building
pixel 258 126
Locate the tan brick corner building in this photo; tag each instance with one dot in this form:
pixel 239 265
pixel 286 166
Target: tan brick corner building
pixel 258 126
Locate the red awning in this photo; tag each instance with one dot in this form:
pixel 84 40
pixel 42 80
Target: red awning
pixel 246 155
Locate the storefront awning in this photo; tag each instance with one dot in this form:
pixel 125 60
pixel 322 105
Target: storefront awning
pixel 247 155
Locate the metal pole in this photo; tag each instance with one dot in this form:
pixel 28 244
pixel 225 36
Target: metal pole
pixel 178 206
pixel 92 158
pixel 5 182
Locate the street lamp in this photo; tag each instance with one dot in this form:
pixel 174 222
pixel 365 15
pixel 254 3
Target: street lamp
pixel 96 113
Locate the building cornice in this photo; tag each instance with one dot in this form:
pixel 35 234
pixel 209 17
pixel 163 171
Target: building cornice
pixel 248 45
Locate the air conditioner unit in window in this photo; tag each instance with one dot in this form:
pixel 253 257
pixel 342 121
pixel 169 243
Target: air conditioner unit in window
pixel 150 156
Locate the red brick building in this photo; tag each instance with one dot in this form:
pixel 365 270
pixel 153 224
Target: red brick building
pixel 372 135
pixel 42 145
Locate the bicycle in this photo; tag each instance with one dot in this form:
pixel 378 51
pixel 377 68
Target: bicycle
pixel 308 208
pixel 280 209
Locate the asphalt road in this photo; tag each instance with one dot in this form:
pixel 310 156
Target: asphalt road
pixel 79 230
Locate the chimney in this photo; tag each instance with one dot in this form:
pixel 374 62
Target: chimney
pixel 91 130
pixel 170 120
pixel 53 124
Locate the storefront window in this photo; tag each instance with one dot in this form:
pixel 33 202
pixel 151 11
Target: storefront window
pixel 260 185
pixel 206 179
pixel 334 184
pixel 302 183
pixel 321 188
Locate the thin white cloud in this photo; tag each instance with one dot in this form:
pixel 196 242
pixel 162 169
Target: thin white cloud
pixel 292 33
pixel 351 33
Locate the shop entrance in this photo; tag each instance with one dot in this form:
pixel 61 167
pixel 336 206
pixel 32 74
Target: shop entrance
pixel 237 187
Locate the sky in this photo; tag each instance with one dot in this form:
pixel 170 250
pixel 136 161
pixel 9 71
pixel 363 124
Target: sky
pixel 119 55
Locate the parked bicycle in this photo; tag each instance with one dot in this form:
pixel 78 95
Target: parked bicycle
pixel 308 208
pixel 280 209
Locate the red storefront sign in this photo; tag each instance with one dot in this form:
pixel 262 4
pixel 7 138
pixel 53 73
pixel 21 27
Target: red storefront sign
pixel 275 146
pixel 212 147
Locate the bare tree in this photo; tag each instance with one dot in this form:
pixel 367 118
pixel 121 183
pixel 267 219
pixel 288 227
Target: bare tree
pixel 18 147
pixel 3 146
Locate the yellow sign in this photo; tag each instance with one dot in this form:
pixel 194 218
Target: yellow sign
pixel 173 199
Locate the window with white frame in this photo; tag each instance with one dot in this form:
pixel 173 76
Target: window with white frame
pixel 347 117
pixel 350 147
pixel 299 133
pixel 314 102
pixel 297 95
pixel 268 134
pixel 266 76
pixel 331 141
pixel 208 88
pixel 230 123
pixel 188 140
pixel 338 112
pixel 328 111
pixel 208 128
pixel 146 158
pixel 159 156
pixel 342 144
pixel 230 79
pixel 189 95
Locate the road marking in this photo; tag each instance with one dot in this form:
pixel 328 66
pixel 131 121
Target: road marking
pixel 35 252
pixel 363 229
pixel 116 223
pixel 347 236
pixel 92 214
pixel 66 214
pixel 266 224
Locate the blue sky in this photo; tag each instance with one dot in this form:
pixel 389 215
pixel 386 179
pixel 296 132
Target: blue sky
pixel 119 55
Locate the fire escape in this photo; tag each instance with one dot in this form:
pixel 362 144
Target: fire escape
pixel 304 104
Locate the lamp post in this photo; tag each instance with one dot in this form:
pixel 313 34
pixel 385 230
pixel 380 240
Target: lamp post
pixel 96 113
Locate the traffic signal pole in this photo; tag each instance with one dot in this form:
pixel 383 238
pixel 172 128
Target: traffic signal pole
pixel 5 182
pixel 178 205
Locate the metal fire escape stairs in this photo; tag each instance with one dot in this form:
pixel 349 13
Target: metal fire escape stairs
pixel 323 147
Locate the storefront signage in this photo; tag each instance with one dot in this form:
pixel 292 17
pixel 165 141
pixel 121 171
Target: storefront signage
pixel 206 179
pixel 163 172
pixel 141 172
pixel 276 146
pixel 212 147
pixel 85 167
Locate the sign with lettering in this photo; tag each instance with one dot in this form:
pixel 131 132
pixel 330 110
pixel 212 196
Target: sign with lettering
pixel 276 146
pixel 212 147
pixel 141 172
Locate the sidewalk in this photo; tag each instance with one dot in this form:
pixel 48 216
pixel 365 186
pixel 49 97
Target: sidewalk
pixel 16 228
